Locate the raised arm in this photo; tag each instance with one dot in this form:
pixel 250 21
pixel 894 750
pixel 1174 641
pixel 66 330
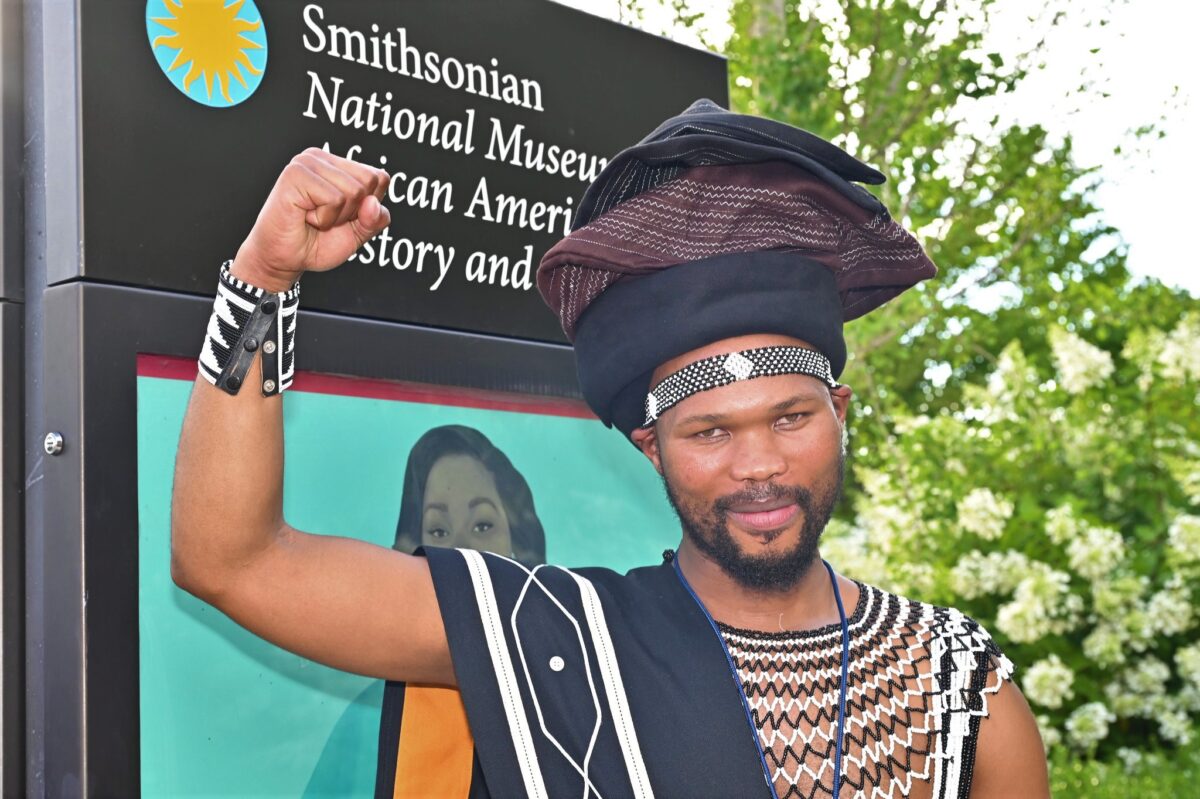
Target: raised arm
pixel 338 601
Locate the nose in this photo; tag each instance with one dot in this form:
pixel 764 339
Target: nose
pixel 758 458
pixel 462 533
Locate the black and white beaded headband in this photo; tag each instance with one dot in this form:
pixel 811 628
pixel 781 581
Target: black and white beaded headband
pixel 721 370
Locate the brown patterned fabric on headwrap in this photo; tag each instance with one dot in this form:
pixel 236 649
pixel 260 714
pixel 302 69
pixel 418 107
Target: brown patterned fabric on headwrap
pixel 718 225
pixel 716 210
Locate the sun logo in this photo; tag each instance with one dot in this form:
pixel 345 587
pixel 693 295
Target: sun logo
pixel 214 51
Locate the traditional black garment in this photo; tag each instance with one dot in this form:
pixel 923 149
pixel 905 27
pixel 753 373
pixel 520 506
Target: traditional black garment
pixel 586 682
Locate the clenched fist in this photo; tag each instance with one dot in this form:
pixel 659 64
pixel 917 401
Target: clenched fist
pixel 320 211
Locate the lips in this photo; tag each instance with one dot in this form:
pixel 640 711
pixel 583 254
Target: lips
pixel 764 516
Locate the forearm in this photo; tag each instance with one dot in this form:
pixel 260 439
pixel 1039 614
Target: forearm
pixel 227 505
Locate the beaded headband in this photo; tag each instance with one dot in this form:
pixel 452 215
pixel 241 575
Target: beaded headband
pixel 721 370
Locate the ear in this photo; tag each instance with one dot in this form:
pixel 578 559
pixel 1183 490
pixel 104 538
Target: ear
pixel 841 401
pixel 646 439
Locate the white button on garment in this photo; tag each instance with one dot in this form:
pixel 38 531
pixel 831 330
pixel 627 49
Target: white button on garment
pixel 557 663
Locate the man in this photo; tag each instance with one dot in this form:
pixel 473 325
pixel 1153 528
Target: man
pixel 705 284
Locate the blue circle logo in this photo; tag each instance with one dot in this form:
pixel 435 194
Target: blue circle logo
pixel 214 51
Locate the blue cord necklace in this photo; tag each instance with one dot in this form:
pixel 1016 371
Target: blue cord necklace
pixel 842 682
pixel 841 716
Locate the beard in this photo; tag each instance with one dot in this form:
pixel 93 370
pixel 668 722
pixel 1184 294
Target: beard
pixel 707 527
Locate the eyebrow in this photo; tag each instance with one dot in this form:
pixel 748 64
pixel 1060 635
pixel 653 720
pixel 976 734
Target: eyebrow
pixel 472 504
pixel 779 407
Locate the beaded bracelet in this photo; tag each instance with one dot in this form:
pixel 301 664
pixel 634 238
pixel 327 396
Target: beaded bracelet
pixel 245 319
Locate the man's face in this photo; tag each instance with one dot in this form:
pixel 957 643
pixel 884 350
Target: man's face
pixel 753 469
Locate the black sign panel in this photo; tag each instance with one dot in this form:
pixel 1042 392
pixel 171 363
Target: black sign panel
pixel 492 116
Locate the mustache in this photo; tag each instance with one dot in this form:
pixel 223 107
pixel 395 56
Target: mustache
pixel 761 493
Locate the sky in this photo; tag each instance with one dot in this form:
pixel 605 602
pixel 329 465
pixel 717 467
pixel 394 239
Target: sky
pixel 1146 65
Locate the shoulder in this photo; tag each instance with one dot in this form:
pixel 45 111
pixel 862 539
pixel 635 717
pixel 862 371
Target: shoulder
pixel 484 575
pixel 1001 751
pixel 1010 759
pixel 956 644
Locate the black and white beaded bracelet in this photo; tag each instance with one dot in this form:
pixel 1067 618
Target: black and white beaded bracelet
pixel 721 370
pixel 245 320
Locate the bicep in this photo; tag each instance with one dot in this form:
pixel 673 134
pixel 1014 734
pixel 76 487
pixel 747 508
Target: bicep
pixel 1009 757
pixel 346 603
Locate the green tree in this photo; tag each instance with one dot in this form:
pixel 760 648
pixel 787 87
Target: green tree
pixel 1005 211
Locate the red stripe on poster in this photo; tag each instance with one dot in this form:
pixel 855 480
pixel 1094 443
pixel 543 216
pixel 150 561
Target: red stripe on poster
pixel 175 368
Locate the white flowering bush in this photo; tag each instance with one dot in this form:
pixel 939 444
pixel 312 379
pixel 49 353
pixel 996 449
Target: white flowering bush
pixel 1048 682
pixel 983 513
pixel 1079 364
pixel 1179 357
pixel 1130 758
pixel 1088 725
pixel 1183 537
pixel 1056 501
pixel 1095 552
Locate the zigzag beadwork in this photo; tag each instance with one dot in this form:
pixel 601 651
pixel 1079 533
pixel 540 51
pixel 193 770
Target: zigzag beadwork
pixel 912 707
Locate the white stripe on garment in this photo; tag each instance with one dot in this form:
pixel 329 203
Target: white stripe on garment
pixel 582 769
pixel 614 687
pixel 510 694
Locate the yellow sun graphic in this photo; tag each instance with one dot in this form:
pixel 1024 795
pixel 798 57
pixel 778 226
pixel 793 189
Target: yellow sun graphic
pixel 208 33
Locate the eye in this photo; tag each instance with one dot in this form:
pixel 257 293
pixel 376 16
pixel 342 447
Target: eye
pixel 792 418
pixel 483 527
pixel 709 434
pixel 438 532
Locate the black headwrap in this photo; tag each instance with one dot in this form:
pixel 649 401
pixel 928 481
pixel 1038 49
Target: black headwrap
pixel 719 225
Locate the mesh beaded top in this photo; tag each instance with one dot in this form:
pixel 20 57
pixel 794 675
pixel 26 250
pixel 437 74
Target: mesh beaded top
pixel 919 677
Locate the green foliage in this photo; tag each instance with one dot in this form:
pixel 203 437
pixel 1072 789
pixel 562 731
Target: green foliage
pixel 1155 775
pixel 1058 505
pixel 1004 211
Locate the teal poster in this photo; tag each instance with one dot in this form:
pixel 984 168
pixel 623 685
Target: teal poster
pixel 225 713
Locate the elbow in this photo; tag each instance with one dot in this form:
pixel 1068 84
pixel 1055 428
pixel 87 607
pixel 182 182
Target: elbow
pixel 186 576
pixel 207 567
pixel 189 572
pixel 183 576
